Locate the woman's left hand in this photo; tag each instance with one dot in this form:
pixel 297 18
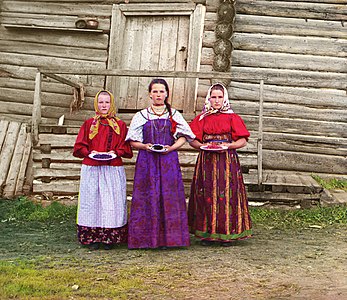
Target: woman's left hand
pixel 168 149
pixel 229 145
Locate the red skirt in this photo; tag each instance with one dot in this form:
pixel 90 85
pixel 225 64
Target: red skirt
pixel 218 206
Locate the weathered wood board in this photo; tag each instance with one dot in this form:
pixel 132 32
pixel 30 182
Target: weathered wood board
pixel 15 150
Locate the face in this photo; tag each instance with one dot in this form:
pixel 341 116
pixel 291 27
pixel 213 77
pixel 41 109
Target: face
pixel 216 99
pixel 104 103
pixel 158 94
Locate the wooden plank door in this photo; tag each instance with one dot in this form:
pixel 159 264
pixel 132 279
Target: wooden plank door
pixel 158 38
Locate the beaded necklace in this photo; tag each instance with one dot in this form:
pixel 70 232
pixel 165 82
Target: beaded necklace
pixel 157 113
pixel 153 122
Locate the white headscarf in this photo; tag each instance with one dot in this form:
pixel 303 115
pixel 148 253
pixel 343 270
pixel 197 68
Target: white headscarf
pixel 208 109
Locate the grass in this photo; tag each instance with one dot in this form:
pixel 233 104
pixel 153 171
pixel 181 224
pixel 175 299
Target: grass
pixel 21 279
pixel 331 183
pixel 25 210
pixel 41 258
pixel 302 218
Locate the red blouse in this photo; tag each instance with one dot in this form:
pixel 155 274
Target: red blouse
pixel 220 123
pixel 106 140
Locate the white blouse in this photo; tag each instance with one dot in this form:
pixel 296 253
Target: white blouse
pixel 135 132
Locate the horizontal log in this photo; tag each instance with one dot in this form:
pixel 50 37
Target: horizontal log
pixel 288 61
pixel 68 140
pixel 53 50
pixel 298 126
pixel 282 197
pixel 50 112
pixel 291 180
pixel 281 110
pixel 38 61
pixel 29 73
pixel 290 44
pixel 63 172
pixel 288 26
pixel 47 86
pixel 78 39
pixel 48 20
pixel 58 187
pixel 132 1
pixel 283 44
pixel 285 160
pixel 187 173
pixel 305 143
pixel 311 97
pixel 214 4
pixel 247 93
pixel 17 117
pixel 134 73
pixel 270 76
pixel 71 187
pixel 48 99
pixel 290 77
pixel 303 10
pixel 65 9
pixel 65 186
pixel 186 158
pixel 280 60
pixel 322 1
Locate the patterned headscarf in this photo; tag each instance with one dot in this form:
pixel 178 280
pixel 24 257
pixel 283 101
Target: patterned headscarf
pixel 110 116
pixel 209 110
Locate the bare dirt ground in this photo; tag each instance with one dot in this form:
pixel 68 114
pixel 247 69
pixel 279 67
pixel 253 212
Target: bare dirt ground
pixel 307 263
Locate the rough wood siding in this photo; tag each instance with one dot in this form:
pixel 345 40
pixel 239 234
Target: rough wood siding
pixel 16 156
pixel 53 41
pixel 57 171
pixel 299 48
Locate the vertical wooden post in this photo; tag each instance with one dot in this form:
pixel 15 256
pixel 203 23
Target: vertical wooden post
pixel 36 116
pixel 260 133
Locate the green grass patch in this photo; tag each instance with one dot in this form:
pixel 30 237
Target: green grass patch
pixel 21 280
pixel 40 257
pixel 301 218
pixel 23 210
pixel 331 183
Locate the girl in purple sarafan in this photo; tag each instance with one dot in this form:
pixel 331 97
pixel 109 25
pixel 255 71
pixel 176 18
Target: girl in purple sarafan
pixel 158 215
pixel 102 207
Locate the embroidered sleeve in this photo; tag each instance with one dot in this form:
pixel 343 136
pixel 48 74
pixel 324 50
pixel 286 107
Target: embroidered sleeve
pixel 135 132
pixel 183 128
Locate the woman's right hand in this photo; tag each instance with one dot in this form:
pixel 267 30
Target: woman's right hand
pixel 147 147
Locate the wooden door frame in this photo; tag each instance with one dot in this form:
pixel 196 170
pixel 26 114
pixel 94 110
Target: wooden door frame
pixel 197 16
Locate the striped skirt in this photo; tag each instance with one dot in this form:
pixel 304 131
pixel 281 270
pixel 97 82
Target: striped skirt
pixel 218 206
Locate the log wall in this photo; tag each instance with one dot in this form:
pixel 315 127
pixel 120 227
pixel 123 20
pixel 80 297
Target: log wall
pixel 56 171
pixel 299 49
pixel 36 34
